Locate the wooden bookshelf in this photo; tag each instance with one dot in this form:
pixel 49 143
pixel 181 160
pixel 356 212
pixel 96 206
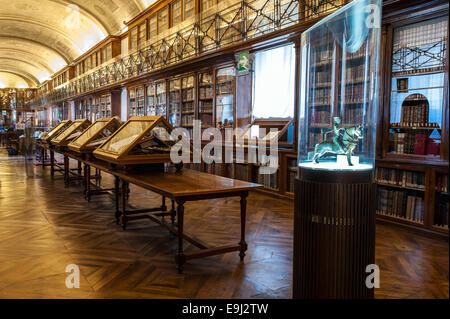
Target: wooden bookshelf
pixel 415 118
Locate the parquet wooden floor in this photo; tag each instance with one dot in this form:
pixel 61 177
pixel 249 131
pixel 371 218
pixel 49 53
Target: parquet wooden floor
pixel 44 227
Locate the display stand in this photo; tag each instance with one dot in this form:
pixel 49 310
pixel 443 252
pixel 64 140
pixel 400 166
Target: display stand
pixel 335 192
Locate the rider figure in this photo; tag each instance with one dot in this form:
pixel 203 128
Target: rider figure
pixel 338 133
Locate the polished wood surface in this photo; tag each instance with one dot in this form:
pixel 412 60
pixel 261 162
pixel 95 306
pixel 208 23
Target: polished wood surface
pixel 186 183
pixel 44 227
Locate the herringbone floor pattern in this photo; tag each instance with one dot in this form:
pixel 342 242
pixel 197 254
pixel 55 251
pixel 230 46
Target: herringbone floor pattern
pixel 44 227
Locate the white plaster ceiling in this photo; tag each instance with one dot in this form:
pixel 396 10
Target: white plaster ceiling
pixel 39 37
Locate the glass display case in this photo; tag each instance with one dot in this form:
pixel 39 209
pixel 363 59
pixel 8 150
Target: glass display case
pixel 205 99
pixel 418 88
pixel 73 131
pixel 150 100
pixel 161 98
pixel 140 101
pixel 339 91
pixel 58 129
pixel 225 97
pixel 132 102
pixel 94 135
pixel 335 191
pixel 188 102
pixel 174 114
pixel 141 140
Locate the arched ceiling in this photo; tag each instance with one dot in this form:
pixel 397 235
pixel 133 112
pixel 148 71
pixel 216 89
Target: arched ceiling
pixel 39 37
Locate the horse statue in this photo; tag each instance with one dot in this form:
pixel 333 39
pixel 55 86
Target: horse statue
pixel 344 144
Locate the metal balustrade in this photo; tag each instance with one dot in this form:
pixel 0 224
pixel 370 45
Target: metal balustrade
pixel 241 21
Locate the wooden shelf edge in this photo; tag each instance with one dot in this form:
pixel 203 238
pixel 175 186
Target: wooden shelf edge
pixel 414 227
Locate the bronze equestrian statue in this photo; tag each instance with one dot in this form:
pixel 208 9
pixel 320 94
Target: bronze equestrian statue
pixel 344 142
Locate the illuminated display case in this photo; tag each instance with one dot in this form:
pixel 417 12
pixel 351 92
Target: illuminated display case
pixel 141 140
pixel 94 135
pixel 57 130
pixel 335 192
pixel 339 92
pixel 73 131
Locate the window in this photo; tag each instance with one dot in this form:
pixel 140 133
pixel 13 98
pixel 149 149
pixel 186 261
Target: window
pixel 274 83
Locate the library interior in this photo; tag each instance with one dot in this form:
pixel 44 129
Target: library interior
pixel 304 143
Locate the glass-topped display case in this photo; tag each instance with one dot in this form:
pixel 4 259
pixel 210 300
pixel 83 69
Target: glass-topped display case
pixel 73 131
pixel 339 90
pixel 58 129
pixel 141 140
pixel 94 135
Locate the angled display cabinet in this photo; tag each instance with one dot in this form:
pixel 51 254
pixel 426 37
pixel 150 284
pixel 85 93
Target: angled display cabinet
pixel 95 135
pixel 141 140
pixel 56 131
pixel 335 190
pixel 73 131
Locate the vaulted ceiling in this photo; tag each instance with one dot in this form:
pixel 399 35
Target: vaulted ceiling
pixel 39 37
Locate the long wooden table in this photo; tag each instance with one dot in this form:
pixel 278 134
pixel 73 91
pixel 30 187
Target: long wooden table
pixel 181 187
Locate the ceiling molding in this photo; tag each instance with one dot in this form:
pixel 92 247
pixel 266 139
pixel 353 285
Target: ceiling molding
pixel 39 64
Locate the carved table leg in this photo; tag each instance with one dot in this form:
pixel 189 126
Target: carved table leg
pixel 85 180
pixel 88 183
pixel 242 243
pixel 52 163
pixel 66 170
pixel 117 197
pixel 124 205
pixel 173 213
pixel 180 258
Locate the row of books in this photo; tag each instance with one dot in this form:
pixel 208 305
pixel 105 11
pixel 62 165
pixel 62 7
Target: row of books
pixel 320 95
pixel 206 120
pixel 413 143
pixel 188 107
pixel 268 180
pixel 315 138
pixel 442 183
pixel 355 72
pixel 441 212
pixel 205 106
pixel 225 88
pixel 414 115
pixel 188 94
pixel 320 117
pixel 400 178
pixel 206 92
pixel 322 76
pixel 353 115
pixel 353 93
pixel 400 203
pixel 187 119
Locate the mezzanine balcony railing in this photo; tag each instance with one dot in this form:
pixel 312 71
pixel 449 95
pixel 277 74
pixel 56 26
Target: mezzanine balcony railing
pixel 240 21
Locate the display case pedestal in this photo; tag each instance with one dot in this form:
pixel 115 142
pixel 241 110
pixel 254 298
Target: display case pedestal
pixel 334 234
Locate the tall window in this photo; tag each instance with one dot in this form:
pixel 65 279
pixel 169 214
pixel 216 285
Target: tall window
pixel 274 83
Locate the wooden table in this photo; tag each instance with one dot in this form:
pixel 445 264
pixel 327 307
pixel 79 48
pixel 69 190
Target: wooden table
pixel 181 187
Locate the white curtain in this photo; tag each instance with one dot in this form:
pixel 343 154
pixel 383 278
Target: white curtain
pixel 274 80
